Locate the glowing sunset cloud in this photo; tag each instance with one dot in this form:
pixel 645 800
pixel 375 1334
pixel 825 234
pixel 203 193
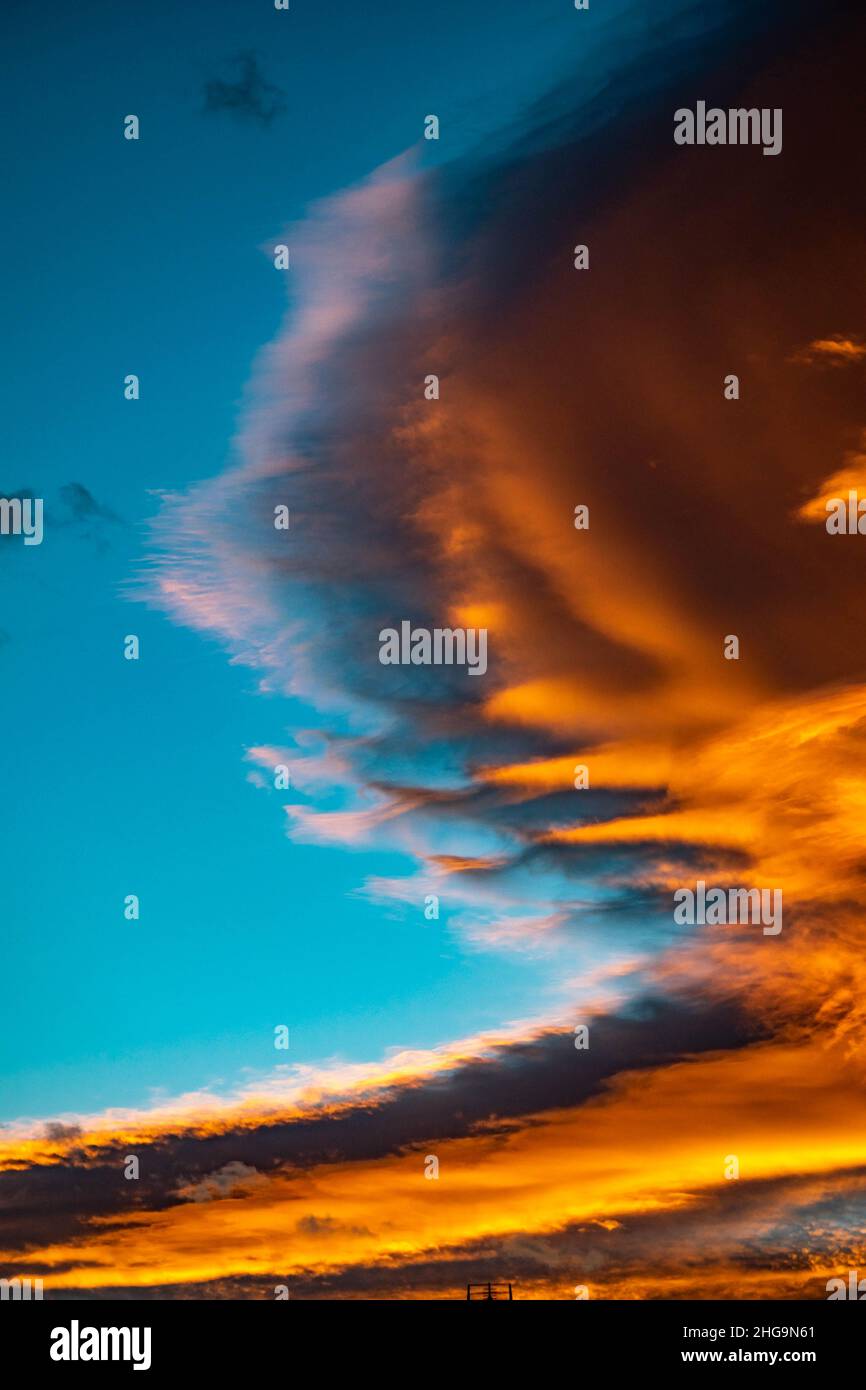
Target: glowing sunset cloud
pixel 516 1061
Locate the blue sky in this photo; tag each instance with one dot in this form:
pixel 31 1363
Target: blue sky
pixel 149 257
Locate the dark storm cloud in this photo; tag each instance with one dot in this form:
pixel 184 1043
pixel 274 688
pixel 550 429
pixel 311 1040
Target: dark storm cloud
pixel 48 1203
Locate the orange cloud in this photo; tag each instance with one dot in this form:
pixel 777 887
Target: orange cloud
pixel 656 1144
pixel 605 648
pixel 835 351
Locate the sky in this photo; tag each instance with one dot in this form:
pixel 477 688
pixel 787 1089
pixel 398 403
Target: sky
pixel 413 1034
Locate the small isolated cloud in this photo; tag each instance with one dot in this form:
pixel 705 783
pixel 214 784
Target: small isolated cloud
pixel 250 97
pixel 234 1179
pixel 326 1226
pixel 835 351
pixel 851 477
pixel 81 505
pixel 57 1131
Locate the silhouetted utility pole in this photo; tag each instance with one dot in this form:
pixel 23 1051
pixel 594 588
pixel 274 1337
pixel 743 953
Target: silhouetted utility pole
pixel 489 1291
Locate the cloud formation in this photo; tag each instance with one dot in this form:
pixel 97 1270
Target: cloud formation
pixel 250 98
pixel 558 388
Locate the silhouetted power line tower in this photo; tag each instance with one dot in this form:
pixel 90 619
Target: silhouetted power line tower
pixel 489 1291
